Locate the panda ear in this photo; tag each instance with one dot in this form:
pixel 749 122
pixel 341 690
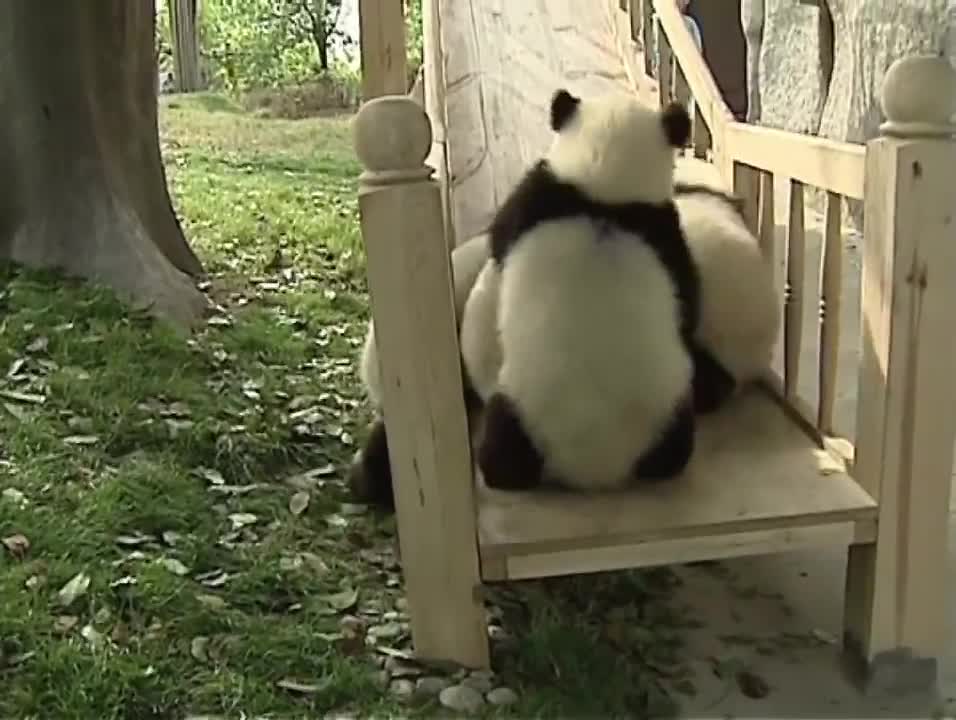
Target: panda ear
pixel 676 124
pixel 564 106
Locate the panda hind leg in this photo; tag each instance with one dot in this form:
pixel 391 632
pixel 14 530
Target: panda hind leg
pixel 713 385
pixel 672 452
pixel 370 476
pixel 506 456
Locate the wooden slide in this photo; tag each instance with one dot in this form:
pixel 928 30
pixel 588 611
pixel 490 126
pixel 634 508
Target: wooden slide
pixel 495 65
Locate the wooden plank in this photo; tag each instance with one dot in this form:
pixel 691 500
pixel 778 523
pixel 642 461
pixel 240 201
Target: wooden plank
pixel 665 69
pixel 820 162
pixel 382 40
pixel 753 469
pixel 503 62
pixel 683 550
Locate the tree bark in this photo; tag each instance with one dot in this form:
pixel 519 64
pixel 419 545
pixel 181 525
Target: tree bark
pixel 84 189
pixel 184 32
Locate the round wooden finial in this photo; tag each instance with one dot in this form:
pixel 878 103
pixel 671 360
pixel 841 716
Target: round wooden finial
pixel 392 137
pixel 918 97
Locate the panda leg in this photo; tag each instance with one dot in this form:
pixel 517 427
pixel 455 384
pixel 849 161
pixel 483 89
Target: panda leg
pixel 507 458
pixel 672 452
pixel 713 385
pixel 370 477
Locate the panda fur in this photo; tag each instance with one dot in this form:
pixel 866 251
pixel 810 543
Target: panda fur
pixel 479 338
pixel 370 476
pixel 588 244
pixel 739 306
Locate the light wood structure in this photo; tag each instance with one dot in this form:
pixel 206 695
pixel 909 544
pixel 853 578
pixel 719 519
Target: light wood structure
pixel 769 473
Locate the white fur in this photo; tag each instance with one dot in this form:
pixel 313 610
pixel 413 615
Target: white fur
pixel 616 150
pixel 593 356
pixel 480 344
pixel 467 260
pixel 740 307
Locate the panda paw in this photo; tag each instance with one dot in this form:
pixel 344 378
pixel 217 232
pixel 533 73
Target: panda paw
pixel 506 456
pixel 370 476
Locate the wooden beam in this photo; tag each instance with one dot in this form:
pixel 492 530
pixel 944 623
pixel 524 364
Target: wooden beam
pixel 382 40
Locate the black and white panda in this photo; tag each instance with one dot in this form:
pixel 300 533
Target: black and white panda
pixel 370 476
pixel 598 303
pixel 740 309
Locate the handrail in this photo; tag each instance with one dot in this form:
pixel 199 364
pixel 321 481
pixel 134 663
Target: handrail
pixel 830 165
pixel 707 96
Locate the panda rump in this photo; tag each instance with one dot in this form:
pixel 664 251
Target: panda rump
pixel 598 304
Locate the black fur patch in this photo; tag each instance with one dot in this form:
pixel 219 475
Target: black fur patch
pixel 672 452
pixel 564 106
pixel 736 203
pixel 713 384
pixel 370 476
pixel 507 457
pixel 676 123
pixel 541 196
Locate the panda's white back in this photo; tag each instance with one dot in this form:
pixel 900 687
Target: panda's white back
pixel 740 309
pixel 593 356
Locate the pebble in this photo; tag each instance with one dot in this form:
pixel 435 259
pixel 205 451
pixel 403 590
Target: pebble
pixel 502 696
pixel 478 682
pixel 428 686
pixel 402 688
pixel 461 698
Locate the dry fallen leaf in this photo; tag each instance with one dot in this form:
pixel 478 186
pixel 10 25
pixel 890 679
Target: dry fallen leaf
pixel 17 544
pixel 76 587
pixel 341 601
pixel 211 601
pixel 240 520
pixel 176 567
pixel 197 648
pixel 299 687
pixel 299 502
pixel 65 623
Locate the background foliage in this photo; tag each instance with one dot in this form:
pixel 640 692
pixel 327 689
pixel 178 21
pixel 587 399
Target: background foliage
pixel 250 45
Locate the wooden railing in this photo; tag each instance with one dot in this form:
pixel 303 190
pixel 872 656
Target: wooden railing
pixel 748 157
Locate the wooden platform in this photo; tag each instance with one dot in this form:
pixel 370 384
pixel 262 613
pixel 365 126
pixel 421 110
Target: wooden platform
pixel 758 483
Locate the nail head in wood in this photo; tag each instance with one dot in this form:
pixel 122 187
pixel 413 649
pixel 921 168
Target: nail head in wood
pixel 392 137
pixel 918 97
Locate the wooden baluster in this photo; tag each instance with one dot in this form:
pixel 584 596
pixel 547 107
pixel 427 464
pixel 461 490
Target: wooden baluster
pixel 648 23
pixel 703 142
pixel 665 67
pixel 767 229
pixel 410 284
pixel 896 591
pixel 793 293
pixel 747 188
pixel 831 286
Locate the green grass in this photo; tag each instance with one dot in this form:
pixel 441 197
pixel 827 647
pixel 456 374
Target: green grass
pixel 157 475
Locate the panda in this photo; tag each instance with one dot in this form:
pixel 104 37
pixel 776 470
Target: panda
pixel 740 310
pixel 370 476
pixel 479 338
pixel 597 306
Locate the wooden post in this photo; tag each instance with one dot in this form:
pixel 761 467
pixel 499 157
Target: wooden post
pixel 906 410
pixel 382 41
pixel 413 309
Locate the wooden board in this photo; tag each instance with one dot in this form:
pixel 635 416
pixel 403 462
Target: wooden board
pixel 503 59
pixel 757 483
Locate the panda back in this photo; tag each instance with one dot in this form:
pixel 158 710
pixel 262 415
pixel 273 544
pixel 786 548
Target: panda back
pixel 740 308
pixel 590 327
pixel 480 345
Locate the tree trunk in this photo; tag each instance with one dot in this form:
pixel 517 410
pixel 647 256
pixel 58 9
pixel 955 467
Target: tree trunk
pixel 184 32
pixel 83 188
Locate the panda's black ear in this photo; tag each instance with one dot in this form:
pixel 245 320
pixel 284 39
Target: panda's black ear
pixel 676 124
pixel 564 105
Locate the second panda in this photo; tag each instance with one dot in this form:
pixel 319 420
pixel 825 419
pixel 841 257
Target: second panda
pixel 597 306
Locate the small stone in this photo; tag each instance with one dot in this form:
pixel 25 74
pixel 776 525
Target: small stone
pixel 402 688
pixel 381 678
pixel 481 683
pixel 502 696
pixel 461 698
pixel 429 686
